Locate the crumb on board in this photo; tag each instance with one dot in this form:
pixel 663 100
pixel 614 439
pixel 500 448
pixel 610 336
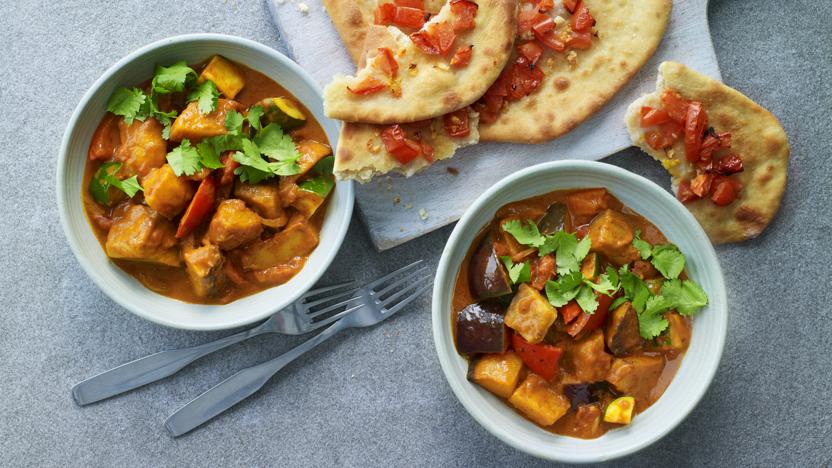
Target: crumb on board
pixel 423 214
pixel 408 206
pixel 453 171
pixel 303 8
pixel 397 199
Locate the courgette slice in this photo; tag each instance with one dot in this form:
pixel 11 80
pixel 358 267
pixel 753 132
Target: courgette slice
pixel 620 410
pixel 283 112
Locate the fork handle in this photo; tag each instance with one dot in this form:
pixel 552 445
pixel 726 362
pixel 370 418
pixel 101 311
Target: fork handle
pixel 239 386
pixel 151 368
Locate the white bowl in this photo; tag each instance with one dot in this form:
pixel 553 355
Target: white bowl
pixel 121 287
pixel 709 329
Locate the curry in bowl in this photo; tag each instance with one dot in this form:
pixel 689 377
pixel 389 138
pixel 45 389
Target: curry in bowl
pixel 208 183
pixel 575 310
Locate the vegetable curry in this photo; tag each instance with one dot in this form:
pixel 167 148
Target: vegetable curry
pixel 575 310
pixel 208 182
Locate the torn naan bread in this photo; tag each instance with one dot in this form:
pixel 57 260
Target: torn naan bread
pixel 753 156
pixel 445 65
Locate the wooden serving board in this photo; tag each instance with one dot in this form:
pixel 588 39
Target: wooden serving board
pixel 397 209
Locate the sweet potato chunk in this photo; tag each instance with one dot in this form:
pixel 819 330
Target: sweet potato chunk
pixel 588 359
pixel 621 333
pixel 233 225
pixel 262 198
pixel 539 401
pixel 228 79
pixel 612 235
pixel 497 373
pixel 677 335
pixel 166 193
pixel 142 147
pixel 204 265
pixel 311 152
pixel 195 126
pixel 143 235
pixel 297 240
pixel 105 139
pixel 530 314
pixel 636 376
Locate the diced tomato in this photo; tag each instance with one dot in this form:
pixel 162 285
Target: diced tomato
pixel 526 78
pixel 228 167
pixel 419 4
pixel 728 165
pixel 579 40
pixel 651 116
pixel 570 5
pixel 368 85
pixel 664 136
pixel 545 5
pixel 525 20
pixel 543 24
pixel 437 40
pixel 428 153
pixel 200 207
pixel 464 13
pixel 548 39
pixel 456 123
pixel 701 184
pixel 581 19
pixel 675 105
pixel 462 57
pixel 542 359
pixel 542 270
pixel 105 139
pixel 723 192
pixel 409 17
pixel 399 146
pixel 570 312
pixel 709 145
pixel 531 51
pixel 684 192
pixel 385 14
pixel 696 121
pixel 388 62
pixel 588 322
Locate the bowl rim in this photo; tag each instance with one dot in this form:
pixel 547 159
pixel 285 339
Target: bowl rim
pixel 446 277
pixel 347 188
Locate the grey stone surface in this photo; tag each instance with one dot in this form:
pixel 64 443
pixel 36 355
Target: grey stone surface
pixel 377 396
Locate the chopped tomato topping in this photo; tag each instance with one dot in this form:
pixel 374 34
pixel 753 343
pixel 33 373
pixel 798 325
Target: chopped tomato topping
pixel 570 5
pixel 675 105
pixel 402 148
pixel 696 121
pixel 543 29
pixel 543 24
pixel 579 40
pixel 420 4
pixel 525 80
pixel 701 184
pixel 531 51
pixel 728 165
pixel 385 13
pixel 462 57
pixel 428 152
pixel 542 359
pixel 545 5
pixel 388 62
pixel 368 85
pixel 405 16
pixel 684 192
pixel 651 116
pixel 436 40
pixel 456 123
pixel 525 20
pixel 581 19
pixel 464 13
pixel 664 136
pixel 723 192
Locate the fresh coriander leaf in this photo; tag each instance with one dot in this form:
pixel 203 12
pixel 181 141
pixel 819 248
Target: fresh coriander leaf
pixel 130 185
pixel 184 159
pixel 569 253
pixel 613 276
pixel 319 179
pixel 644 248
pixel 254 115
pixel 651 326
pixel 669 260
pixel 549 245
pixel 151 108
pixel 234 122
pixel 526 234
pixel 617 302
pixel 635 290
pixel 253 168
pixel 105 177
pixel 278 146
pixel 685 296
pixel 206 96
pixel 223 143
pixel 208 155
pixel 564 289
pixel 657 305
pixel 582 249
pixel 587 299
pixel 172 79
pixel 517 272
pixel 606 284
pixel 128 103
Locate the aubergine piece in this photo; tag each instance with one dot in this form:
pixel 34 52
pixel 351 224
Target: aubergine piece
pixel 554 220
pixel 480 328
pixel 487 276
pixel 621 333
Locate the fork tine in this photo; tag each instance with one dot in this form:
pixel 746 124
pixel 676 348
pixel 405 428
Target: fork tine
pixel 330 308
pixel 401 281
pixel 324 289
pixel 409 299
pixel 392 275
pixel 393 298
pixel 323 300
pixel 328 320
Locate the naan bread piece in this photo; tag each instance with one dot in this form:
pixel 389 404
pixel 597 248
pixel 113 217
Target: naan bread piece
pixel 579 82
pixel 402 82
pixel 362 154
pixel 756 137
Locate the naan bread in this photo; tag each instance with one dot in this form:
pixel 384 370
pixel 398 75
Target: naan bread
pixel 361 154
pixel 629 31
pixel 429 85
pixel 756 136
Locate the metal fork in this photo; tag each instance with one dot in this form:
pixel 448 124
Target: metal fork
pixel 381 298
pixel 313 310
